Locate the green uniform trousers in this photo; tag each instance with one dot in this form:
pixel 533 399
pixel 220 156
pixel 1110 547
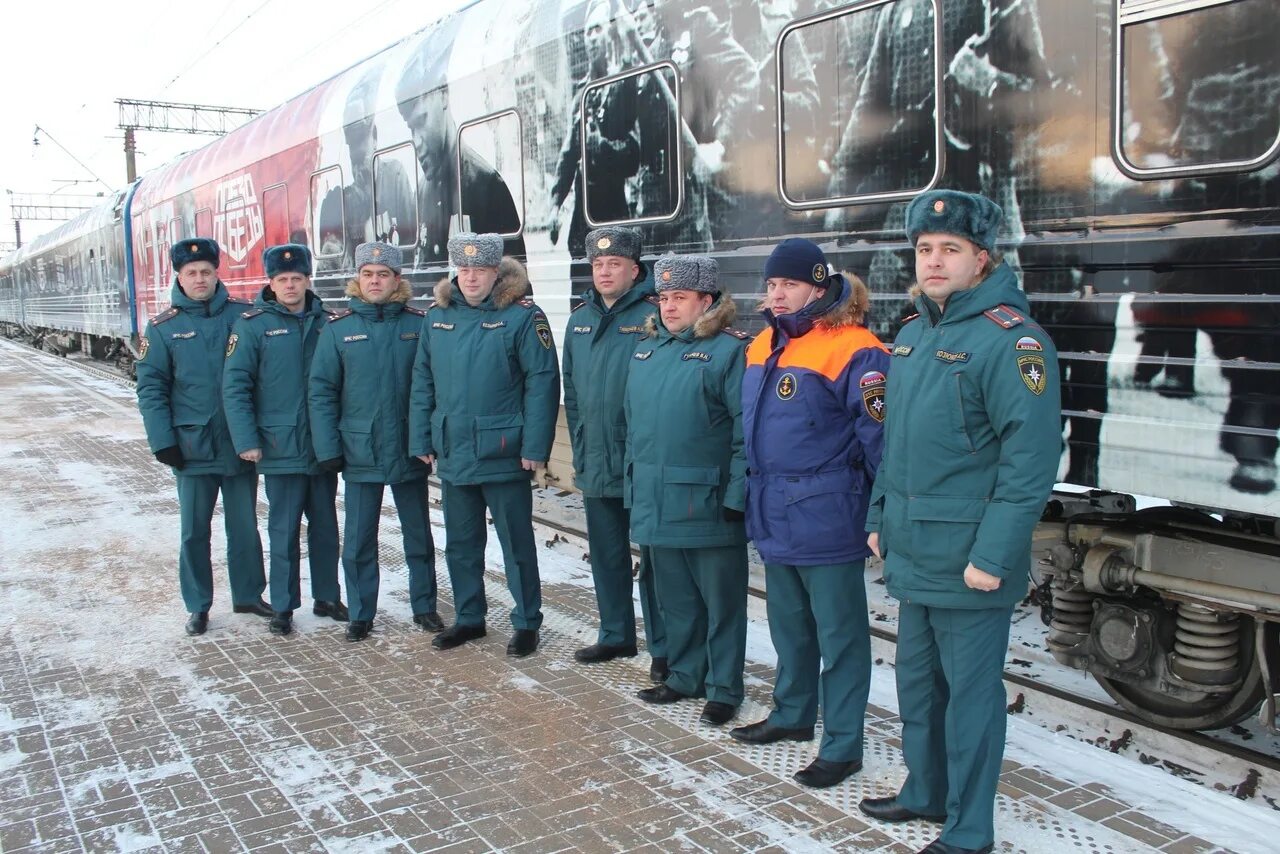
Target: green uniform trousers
pixel 952 703
pixel 818 622
pixel 609 541
pixel 511 503
pixel 360 551
pixel 197 494
pixel 703 592
pixel 290 497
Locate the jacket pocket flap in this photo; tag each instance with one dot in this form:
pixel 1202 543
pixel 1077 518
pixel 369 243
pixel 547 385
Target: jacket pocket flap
pixel 278 420
pixel 494 422
pixel 705 475
pixel 945 508
pixel 840 482
pixel 352 424
pixel 191 421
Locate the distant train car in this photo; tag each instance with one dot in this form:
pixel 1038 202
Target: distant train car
pixel 69 289
pixel 1134 153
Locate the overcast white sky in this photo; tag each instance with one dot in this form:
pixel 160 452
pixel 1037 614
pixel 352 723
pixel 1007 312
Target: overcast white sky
pixel 65 63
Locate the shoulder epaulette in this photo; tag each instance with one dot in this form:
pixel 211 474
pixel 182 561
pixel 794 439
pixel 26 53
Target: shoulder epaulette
pixel 576 303
pixel 419 312
pixel 527 302
pixel 736 333
pixel 1003 315
pixel 167 314
pixel 653 298
pixel 239 301
pixel 252 313
pixel 329 313
pixel 338 315
pixel 909 318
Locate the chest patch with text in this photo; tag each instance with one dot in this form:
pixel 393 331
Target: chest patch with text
pixel 948 356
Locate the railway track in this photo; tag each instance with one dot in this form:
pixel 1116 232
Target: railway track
pixel 1205 757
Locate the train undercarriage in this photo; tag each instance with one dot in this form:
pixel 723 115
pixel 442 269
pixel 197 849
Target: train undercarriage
pixel 1174 611
pixel 103 348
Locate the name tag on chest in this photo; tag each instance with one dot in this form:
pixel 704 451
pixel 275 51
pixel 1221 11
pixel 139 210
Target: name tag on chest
pixel 699 356
pixel 493 324
pixel 183 336
pixel 948 356
pixel 349 338
pixel 633 329
pixel 437 324
pixel 643 354
pixel 273 332
pixel 581 330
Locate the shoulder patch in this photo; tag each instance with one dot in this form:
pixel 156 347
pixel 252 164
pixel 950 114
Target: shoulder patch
pixel 232 340
pixel 416 311
pixel 339 315
pixel 168 314
pixel 1004 316
pixel 251 313
pixel 736 333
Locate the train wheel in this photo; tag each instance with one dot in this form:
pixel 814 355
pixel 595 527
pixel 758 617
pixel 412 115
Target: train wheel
pixel 1215 711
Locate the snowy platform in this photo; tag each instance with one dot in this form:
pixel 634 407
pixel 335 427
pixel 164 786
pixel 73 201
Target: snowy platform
pixel 119 733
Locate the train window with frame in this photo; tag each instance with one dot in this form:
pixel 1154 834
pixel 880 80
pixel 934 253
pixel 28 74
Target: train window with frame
pixel 204 222
pixel 174 235
pixel 275 213
pixel 395 196
pixel 877 68
pixel 632 169
pixel 1196 88
pixel 495 141
pixel 328 220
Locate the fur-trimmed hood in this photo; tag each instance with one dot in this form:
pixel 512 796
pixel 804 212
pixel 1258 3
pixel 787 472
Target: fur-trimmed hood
pixel 512 285
pixel 851 311
pixel 403 294
pixel 719 317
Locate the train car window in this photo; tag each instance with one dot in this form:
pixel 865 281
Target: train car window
pixel 1196 88
pixel 204 222
pixel 492 144
pixel 876 67
pixel 328 222
pixel 275 212
pixel 395 196
pixel 629 141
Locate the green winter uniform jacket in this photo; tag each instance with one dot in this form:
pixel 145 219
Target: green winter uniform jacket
pixel 598 345
pixel 685 460
pixel 486 383
pixel 264 383
pixel 180 381
pixel 359 390
pixel 973 438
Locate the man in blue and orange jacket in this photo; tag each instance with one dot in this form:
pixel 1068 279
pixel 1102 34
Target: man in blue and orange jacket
pixel 813 417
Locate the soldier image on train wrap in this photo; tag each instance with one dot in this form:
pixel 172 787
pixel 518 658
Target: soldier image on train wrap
pixel 359 408
pixel 179 366
pixel 486 391
pixel 813 413
pixel 599 342
pixel 264 392
pixel 972 447
pixel 685 482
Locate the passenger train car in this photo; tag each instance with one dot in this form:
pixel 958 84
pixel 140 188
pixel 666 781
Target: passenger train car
pixel 1132 144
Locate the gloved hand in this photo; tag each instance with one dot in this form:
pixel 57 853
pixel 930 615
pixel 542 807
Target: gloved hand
pixel 171 456
pixel 731 515
pixel 333 465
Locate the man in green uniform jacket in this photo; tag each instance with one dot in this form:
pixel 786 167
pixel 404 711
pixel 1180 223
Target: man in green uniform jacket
pixel 486 390
pixel 359 405
pixel 180 394
pixel 598 344
pixel 972 445
pixel 264 391
pixel 686 482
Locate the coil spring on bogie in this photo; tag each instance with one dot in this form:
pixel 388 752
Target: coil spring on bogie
pixel 1206 645
pixel 1072 618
